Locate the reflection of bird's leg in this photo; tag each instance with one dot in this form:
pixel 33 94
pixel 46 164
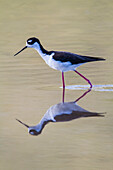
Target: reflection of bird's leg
pixel 84 78
pixel 83 95
pixel 63 87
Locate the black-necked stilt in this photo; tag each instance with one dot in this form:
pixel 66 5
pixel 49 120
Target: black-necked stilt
pixel 59 60
pixel 61 112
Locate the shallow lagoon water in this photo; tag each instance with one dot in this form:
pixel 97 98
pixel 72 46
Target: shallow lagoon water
pixel 106 87
pixel 28 87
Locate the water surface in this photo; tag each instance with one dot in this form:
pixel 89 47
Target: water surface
pixel 28 87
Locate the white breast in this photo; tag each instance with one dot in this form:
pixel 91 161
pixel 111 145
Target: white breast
pixel 61 66
pixel 58 65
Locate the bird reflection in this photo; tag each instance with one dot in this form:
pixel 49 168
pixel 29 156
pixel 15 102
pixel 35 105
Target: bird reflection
pixel 61 112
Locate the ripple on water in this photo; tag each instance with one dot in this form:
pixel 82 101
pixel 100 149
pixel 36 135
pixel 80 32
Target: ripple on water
pixel 105 87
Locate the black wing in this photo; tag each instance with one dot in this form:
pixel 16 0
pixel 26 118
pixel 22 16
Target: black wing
pixel 73 58
pixel 75 115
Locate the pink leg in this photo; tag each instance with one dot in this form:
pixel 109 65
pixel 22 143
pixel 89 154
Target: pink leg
pixel 82 95
pixel 63 87
pixel 84 78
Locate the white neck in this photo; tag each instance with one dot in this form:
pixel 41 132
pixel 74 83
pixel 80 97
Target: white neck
pixel 43 53
pixel 39 127
pixel 39 50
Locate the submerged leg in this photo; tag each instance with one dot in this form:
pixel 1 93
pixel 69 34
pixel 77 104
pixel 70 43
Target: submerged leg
pixel 83 95
pixel 84 78
pixel 63 87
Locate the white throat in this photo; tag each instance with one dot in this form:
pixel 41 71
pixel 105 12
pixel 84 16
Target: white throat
pixel 38 49
pixel 46 57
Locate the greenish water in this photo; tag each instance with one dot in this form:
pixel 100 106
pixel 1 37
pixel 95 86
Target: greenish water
pixel 28 87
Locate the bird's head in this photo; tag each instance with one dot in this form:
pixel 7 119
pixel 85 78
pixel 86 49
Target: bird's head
pixel 33 130
pixel 30 43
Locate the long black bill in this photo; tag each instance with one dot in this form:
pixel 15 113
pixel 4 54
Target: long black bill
pixel 22 123
pixel 21 50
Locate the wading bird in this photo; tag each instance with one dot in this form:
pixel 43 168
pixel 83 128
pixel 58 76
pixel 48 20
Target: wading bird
pixel 61 112
pixel 60 60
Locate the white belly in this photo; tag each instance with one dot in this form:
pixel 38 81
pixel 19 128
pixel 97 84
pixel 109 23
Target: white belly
pixel 62 66
pixel 58 65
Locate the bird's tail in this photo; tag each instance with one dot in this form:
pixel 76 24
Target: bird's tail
pixel 93 114
pixel 90 59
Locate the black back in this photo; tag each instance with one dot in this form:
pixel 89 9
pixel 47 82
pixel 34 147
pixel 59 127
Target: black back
pixel 74 58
